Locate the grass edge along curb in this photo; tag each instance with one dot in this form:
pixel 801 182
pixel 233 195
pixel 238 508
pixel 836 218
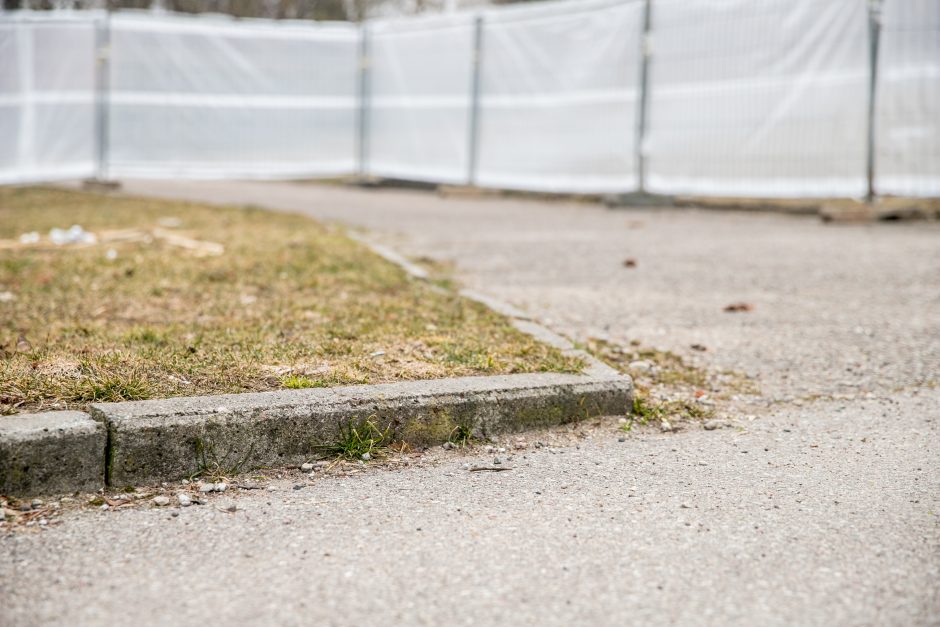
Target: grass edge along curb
pixel 140 442
pixel 175 438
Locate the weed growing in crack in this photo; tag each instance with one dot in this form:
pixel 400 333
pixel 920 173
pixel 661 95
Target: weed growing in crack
pixel 462 435
pixel 357 442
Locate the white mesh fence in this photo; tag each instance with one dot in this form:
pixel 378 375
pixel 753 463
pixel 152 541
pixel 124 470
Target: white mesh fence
pixel 743 97
pixel 908 101
pixel 47 99
pixel 214 98
pixel 418 78
pixel 758 98
pixel 558 97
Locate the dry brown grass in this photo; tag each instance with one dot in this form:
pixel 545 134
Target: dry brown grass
pixel 289 303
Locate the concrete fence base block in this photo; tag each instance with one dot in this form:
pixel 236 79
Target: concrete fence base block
pixel 170 439
pixel 61 451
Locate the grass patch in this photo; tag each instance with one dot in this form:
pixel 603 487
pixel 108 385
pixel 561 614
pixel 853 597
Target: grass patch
pixel 646 411
pixel 461 436
pixel 299 382
pixel 363 441
pixel 669 369
pixel 667 387
pixel 182 299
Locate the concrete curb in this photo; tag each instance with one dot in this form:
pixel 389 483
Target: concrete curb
pixel 59 451
pixel 139 442
pixel 170 439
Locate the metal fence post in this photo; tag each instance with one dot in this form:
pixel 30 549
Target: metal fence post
pixel 102 94
pixel 874 36
pixel 473 132
pixel 362 124
pixel 643 99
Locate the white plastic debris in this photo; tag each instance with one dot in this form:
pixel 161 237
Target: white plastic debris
pixel 111 255
pixel 29 238
pixel 74 235
pixel 170 222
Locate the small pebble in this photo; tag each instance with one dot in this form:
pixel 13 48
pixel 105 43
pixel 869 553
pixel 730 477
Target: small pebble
pixel 206 488
pixel 497 461
pixel 621 439
pixel 711 425
pixel 36 504
pixel 221 486
pixel 366 456
pixel 447 446
pixel 501 450
pixel 306 467
pixel 184 500
pixel 161 501
pixel 105 507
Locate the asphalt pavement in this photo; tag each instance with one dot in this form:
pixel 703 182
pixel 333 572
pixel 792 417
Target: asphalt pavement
pixel 818 505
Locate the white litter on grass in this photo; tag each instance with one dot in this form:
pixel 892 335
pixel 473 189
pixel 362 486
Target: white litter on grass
pixel 170 223
pixel 6 297
pixel 111 255
pixel 29 238
pixel 74 235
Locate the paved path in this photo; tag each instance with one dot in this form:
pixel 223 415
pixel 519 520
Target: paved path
pixel 824 509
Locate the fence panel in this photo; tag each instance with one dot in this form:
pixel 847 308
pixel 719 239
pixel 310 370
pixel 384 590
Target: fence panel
pixel 907 140
pixel 758 98
pixel 207 97
pixel 47 98
pixel 420 74
pixel 559 96
pixel 746 98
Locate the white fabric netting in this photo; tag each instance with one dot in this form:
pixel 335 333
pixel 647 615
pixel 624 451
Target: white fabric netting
pixel 419 80
pixel 210 97
pixel 47 99
pixel 908 100
pixel 758 98
pixel 559 97
pixel 745 98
